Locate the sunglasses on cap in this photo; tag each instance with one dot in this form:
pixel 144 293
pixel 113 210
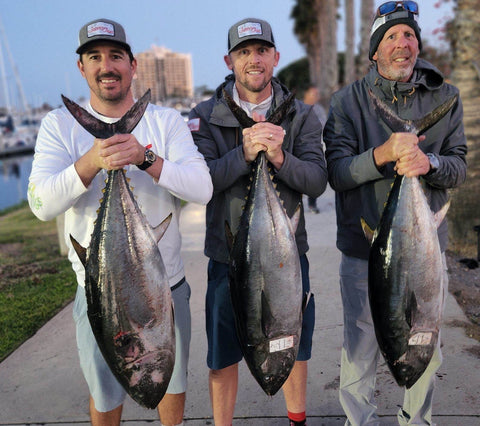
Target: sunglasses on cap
pixel 392 6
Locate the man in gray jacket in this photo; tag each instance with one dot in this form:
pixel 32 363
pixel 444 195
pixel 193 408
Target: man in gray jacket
pixel 294 149
pixel 363 157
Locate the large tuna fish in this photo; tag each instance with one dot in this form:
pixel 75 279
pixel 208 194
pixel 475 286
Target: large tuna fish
pixel 128 296
pixel 265 277
pixel 405 273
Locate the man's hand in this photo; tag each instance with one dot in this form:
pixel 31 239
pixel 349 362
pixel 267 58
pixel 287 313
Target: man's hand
pixel 403 149
pixel 119 151
pixel 264 136
pixel 113 153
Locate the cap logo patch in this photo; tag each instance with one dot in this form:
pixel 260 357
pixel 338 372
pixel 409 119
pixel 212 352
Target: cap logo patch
pixel 249 28
pixel 100 28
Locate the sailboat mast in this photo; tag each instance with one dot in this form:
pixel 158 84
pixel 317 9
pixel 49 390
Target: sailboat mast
pixel 15 72
pixel 6 94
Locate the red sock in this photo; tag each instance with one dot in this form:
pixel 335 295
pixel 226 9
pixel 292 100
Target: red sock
pixel 297 417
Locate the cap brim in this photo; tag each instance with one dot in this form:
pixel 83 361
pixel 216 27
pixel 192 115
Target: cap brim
pixel 81 49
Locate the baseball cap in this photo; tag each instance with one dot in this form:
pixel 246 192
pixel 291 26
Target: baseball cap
pixel 102 29
pixel 249 29
pixel 400 15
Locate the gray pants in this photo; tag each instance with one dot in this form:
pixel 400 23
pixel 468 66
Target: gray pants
pixel 360 356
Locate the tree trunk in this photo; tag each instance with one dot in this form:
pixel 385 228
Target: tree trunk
pixel 350 73
pixel 464 212
pixel 366 21
pixel 327 33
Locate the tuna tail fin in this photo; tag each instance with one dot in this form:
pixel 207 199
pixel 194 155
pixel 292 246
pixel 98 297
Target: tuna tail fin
pixel 102 130
pixel 245 121
pixel 81 251
pixel 133 116
pixel 419 126
pixel 229 237
pixel 160 229
pixel 440 215
pixel 369 232
pixel 295 219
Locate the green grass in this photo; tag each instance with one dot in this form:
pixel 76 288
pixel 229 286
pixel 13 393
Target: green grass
pixel 36 281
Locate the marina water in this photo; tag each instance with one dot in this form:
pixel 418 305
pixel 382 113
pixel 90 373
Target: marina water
pixel 14 173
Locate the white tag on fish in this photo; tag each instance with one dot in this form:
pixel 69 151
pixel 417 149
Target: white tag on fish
pixel 281 344
pixel 420 339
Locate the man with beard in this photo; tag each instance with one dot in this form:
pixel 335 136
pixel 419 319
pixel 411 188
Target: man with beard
pixel 164 167
pixel 294 150
pixel 363 157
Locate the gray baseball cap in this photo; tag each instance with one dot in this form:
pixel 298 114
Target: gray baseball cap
pixel 249 29
pixel 102 29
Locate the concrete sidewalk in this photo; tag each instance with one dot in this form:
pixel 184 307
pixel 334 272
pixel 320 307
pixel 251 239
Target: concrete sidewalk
pixel 41 382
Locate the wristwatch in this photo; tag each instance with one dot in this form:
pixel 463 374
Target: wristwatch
pixel 434 162
pixel 150 158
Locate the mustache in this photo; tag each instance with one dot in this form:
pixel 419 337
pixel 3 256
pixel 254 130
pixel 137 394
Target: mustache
pixel 108 75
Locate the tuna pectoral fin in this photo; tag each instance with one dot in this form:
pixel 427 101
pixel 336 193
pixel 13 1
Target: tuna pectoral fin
pixel 440 215
pixel 81 251
pixel 306 300
pixel 159 230
pixel 295 219
pixel 367 230
pixel 410 310
pixel 267 318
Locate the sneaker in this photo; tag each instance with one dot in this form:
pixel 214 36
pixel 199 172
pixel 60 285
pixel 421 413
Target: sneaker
pixel 314 209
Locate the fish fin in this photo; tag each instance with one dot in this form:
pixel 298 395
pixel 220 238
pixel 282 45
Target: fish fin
pixel 295 219
pixel 280 113
pixel 440 215
pixel 266 314
pixel 91 124
pixel 418 126
pixel 243 119
pixel 229 236
pixel 103 130
pixel 369 232
pixel 410 310
pixel 424 123
pixel 81 251
pixel 160 229
pixel 133 116
pixel 306 299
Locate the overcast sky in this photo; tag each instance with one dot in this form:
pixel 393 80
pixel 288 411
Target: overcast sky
pixel 43 35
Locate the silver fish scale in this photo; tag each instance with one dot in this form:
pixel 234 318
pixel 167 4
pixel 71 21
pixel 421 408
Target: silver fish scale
pixel 266 284
pixel 129 297
pixel 405 282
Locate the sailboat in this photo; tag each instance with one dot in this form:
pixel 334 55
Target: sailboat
pixel 18 128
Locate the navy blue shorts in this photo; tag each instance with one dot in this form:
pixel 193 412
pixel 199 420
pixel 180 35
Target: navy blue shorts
pixel 223 346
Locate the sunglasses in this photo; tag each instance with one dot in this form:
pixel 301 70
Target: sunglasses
pixel 393 6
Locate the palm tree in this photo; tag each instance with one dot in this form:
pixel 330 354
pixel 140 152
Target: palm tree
pixel 350 72
pixel 366 20
pixel 316 29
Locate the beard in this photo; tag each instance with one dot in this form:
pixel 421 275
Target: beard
pixel 113 95
pixel 387 68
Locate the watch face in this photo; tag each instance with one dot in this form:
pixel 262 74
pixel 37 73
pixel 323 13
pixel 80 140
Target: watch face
pixel 433 161
pixel 150 156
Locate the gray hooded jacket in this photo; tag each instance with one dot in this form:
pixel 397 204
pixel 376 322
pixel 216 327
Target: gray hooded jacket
pixel 353 130
pixel 218 136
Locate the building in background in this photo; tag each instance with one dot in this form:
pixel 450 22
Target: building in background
pixel 166 73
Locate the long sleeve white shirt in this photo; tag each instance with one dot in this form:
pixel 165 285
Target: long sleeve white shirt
pixel 56 188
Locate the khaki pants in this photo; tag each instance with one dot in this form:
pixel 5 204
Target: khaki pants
pixel 360 355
